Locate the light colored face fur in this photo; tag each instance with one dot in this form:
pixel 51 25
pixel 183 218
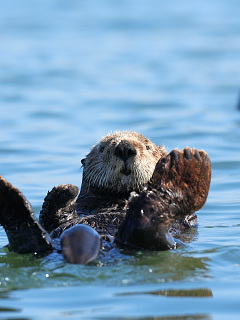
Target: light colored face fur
pixel 121 162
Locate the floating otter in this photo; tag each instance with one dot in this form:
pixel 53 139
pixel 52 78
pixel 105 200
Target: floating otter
pixel 133 194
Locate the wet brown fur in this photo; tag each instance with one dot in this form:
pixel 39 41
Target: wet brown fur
pixel 168 189
pixel 107 179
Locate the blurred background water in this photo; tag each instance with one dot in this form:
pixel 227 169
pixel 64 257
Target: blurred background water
pixel 71 72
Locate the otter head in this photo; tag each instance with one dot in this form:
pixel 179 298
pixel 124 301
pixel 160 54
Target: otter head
pixel 120 163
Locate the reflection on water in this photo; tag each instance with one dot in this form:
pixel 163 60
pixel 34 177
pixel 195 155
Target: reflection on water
pixel 72 72
pixel 175 266
pixel 184 293
pixel 115 268
pixel 187 317
pixel 179 293
pixel 102 303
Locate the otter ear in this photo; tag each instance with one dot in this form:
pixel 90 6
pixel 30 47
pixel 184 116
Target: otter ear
pixel 83 161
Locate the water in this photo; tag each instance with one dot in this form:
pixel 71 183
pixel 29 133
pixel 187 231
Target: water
pixel 73 71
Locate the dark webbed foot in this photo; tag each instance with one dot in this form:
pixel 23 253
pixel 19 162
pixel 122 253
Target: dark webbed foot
pixel 178 188
pixel 58 207
pixel 186 172
pixel 24 233
pixel 148 220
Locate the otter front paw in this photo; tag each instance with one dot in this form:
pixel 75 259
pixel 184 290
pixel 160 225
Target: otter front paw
pixel 187 172
pixel 58 207
pixel 149 217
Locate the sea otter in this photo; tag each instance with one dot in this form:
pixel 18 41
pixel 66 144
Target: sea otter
pixel 133 194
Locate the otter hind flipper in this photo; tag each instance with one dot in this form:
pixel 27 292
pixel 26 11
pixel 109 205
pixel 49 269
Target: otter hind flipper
pixel 58 207
pixel 24 233
pixel 186 173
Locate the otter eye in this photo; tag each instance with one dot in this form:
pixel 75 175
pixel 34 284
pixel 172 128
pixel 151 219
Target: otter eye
pixel 147 147
pixel 101 149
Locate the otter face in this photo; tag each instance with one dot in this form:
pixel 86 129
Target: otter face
pixel 121 162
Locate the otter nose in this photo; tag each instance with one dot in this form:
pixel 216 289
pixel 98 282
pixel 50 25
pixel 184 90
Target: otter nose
pixel 124 150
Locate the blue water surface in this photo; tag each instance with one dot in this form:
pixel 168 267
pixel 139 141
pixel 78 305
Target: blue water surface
pixel 73 71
